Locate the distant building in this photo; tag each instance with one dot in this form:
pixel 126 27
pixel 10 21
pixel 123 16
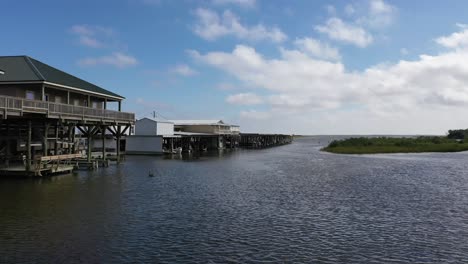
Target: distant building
pixel 216 127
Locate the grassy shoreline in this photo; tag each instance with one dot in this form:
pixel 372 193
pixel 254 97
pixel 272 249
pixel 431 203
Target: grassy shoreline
pixel 377 145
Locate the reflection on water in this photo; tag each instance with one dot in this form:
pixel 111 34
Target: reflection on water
pixel 286 204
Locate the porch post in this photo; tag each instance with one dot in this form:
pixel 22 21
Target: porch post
pixel 42 93
pixel 120 106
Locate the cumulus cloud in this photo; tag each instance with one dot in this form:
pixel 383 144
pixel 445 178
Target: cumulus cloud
pixel 241 3
pixel 337 29
pixel 183 70
pixel 395 97
pixel 117 59
pixel 317 49
pixel 456 39
pixel 244 99
pixel 92 36
pixel 381 14
pixel 210 26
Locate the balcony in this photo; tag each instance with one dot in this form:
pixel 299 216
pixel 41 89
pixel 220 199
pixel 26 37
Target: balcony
pixel 19 106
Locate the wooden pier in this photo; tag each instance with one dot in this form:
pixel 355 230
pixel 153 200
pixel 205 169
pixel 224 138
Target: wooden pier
pixel 253 140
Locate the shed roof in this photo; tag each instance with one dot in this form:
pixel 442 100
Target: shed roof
pixel 157 119
pixel 27 69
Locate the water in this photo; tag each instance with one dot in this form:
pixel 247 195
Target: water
pixel 285 204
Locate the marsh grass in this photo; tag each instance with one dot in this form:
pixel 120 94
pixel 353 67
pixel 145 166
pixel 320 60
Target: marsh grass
pixel 363 145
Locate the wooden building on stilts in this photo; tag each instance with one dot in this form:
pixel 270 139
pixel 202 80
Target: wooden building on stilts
pixel 41 110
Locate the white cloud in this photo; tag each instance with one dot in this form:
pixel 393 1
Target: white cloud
pixel 336 29
pixel 211 26
pixel 241 3
pixel 244 99
pixel 116 59
pixel 308 95
pixel 92 36
pixel 255 115
pixel 380 14
pixel 317 49
pixel 183 70
pixel 456 39
pixel 404 51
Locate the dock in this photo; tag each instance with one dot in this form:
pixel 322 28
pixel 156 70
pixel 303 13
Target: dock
pixel 255 140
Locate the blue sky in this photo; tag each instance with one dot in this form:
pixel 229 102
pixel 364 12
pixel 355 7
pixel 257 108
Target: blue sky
pixel 306 67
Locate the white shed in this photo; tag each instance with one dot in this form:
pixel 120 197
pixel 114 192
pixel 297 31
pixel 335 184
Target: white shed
pixel 153 127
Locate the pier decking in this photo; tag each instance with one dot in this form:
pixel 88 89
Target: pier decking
pixel 254 140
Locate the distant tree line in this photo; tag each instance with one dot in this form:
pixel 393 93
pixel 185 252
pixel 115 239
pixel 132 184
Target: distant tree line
pixel 458 134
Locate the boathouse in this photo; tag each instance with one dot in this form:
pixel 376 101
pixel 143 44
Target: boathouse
pixel 42 107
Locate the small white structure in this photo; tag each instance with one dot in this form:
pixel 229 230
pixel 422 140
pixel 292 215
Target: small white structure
pixel 148 136
pixel 144 145
pixel 153 126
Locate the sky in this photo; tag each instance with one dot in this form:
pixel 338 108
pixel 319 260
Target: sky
pixel 302 67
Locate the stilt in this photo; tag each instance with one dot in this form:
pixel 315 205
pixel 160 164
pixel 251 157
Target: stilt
pixel 8 147
pixel 118 143
pixel 28 147
pixel 56 139
pixel 90 141
pixel 45 144
pixel 103 134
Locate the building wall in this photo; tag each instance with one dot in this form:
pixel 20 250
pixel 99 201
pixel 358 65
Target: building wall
pixel 144 145
pixel 145 127
pixel 55 95
pixel 20 90
pixel 164 128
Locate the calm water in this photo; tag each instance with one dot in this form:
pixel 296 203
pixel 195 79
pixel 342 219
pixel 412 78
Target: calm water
pixel 285 204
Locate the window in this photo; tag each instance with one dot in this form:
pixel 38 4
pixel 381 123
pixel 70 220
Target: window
pixel 46 97
pixel 95 104
pixel 30 95
pixel 58 99
pixel 76 102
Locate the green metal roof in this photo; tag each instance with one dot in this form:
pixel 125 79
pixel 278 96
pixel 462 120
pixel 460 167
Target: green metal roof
pixel 27 69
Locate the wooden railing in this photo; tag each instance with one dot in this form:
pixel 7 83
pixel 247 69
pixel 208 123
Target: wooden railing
pixel 65 110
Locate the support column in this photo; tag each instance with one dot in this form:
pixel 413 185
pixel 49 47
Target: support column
pixel 120 106
pixel 45 145
pixel 105 103
pixel 28 147
pixel 56 139
pixel 70 145
pixel 8 148
pixel 90 141
pixel 118 142
pixel 103 134
pixel 89 101
pixel 73 139
pixel 68 97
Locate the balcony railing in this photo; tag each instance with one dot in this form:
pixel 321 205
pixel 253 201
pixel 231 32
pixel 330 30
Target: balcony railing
pixel 63 110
